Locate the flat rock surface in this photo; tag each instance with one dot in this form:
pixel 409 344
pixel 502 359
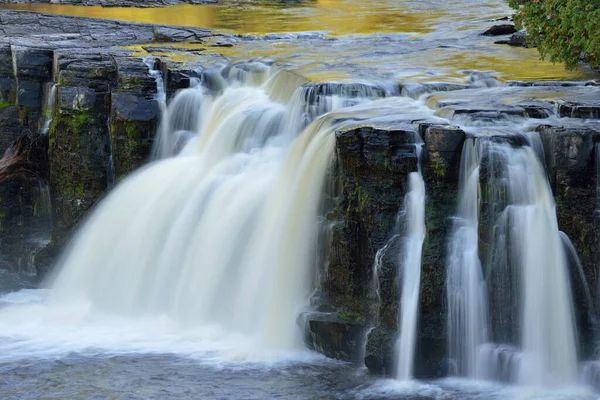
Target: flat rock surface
pixel 57 31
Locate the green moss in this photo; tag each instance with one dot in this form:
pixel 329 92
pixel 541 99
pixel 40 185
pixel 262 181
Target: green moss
pixel 351 316
pixel 79 120
pixel 4 104
pixel 132 131
pixel 439 172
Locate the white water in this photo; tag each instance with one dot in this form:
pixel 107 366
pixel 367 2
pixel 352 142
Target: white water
pixel 411 274
pixel 213 247
pixel 48 108
pixel 467 300
pixel 221 234
pixel 548 338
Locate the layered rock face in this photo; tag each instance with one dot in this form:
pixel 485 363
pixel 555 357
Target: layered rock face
pixel 360 305
pixel 89 108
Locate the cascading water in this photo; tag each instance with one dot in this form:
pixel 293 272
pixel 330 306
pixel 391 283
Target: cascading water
pixel 48 108
pixel 535 256
pixel 412 248
pixel 222 233
pixel 529 273
pixel 467 301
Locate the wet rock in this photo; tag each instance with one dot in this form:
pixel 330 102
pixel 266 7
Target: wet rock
pixel 519 39
pixel 10 125
pixel 134 114
pixel 499 30
pixel 441 165
pixel 537 109
pixel 32 67
pixel 167 49
pixel 570 153
pixel 369 182
pixel 334 336
pixel 373 168
pixel 584 108
pixel 419 89
pixel 25 206
pixel 79 146
pixel 57 31
pixel 379 351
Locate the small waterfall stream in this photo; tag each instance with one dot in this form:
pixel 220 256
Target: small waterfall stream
pixel 48 108
pixel 534 261
pixel 414 210
pixel 467 300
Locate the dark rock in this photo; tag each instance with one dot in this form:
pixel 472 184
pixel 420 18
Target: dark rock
pixel 32 63
pixel 536 109
pixel 498 30
pixel 58 31
pixel 380 350
pixel 134 115
pixel 570 157
pixel 168 49
pixel 584 108
pixel 79 143
pixel 441 165
pixel 334 336
pixel 10 126
pixel 25 207
pixel 519 39
pixel 418 89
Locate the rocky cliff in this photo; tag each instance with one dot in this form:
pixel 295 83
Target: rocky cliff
pixel 88 107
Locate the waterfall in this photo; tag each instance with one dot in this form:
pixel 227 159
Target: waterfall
pixel 222 232
pixel 537 264
pixel 48 108
pixel 412 248
pixel 467 302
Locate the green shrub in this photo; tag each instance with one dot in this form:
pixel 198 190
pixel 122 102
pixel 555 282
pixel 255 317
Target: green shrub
pixel 563 30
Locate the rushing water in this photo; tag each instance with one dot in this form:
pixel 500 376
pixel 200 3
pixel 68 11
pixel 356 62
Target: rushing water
pixel 411 272
pixel 467 299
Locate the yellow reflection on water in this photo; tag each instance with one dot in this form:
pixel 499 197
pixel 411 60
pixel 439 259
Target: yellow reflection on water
pixel 349 58
pixel 336 16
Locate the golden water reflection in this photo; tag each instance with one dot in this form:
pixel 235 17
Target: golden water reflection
pixel 438 40
pixel 336 16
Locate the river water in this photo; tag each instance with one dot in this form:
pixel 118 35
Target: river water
pixel 128 334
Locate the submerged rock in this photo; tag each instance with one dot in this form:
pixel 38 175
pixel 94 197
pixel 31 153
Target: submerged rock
pixel 499 30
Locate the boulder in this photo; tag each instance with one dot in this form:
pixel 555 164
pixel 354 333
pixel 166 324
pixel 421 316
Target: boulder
pixel 499 30
pixel 334 336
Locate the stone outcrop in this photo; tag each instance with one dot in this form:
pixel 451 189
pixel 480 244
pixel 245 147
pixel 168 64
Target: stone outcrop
pixel 499 30
pixel 57 31
pixel 369 184
pixel 571 156
pixel 25 204
pixel 97 104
